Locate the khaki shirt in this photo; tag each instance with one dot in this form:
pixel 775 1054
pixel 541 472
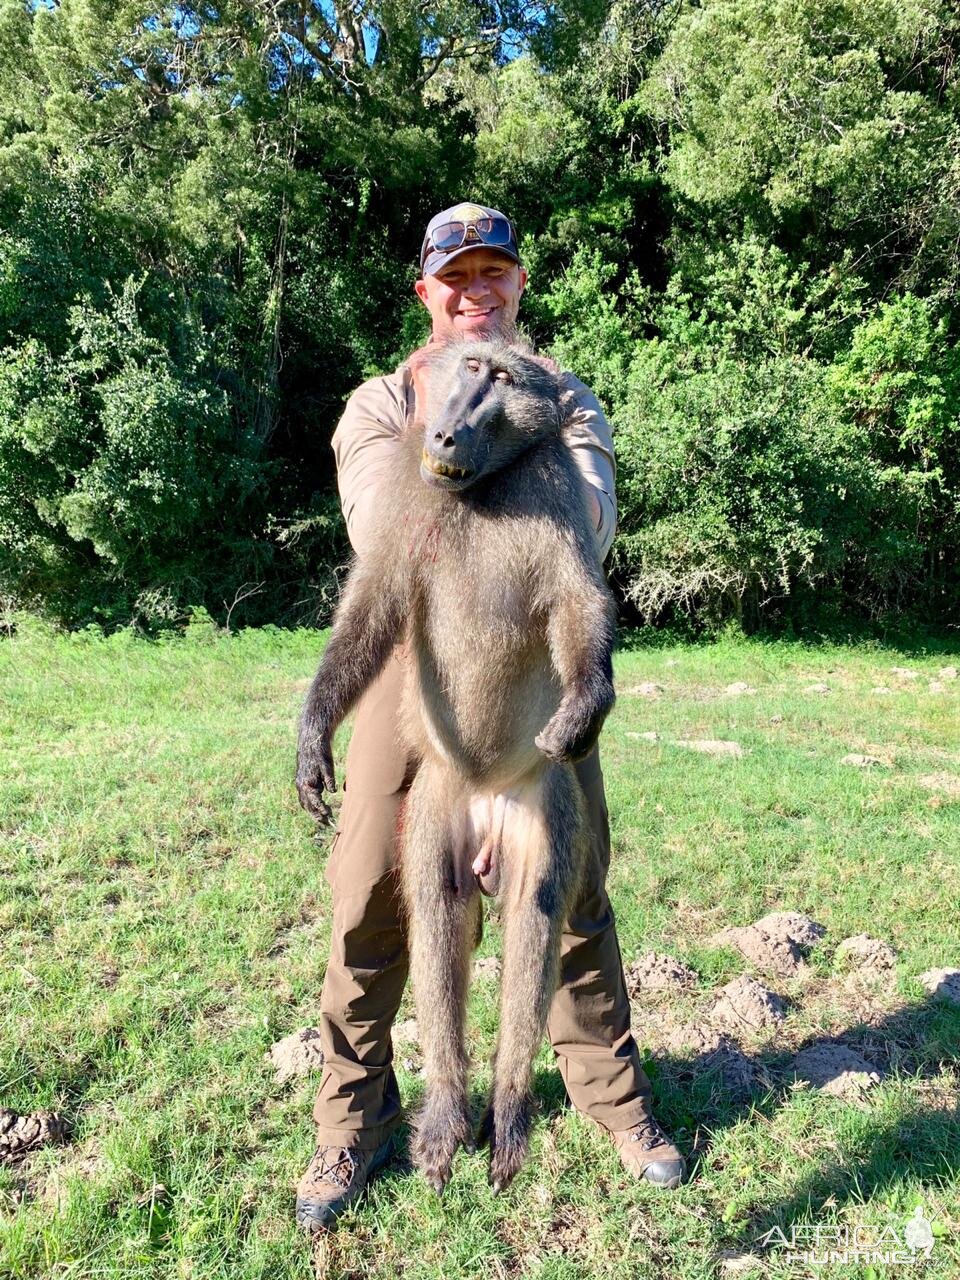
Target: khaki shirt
pixel 378 412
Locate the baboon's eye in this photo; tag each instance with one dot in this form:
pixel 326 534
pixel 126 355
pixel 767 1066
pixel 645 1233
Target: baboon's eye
pixel 472 365
pixel 501 375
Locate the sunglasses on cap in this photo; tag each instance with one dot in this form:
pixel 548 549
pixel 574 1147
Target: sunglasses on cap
pixel 495 232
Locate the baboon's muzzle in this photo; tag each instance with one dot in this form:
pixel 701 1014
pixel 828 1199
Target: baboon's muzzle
pixel 454 443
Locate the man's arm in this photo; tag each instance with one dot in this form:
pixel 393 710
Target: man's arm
pixel 375 417
pixel 588 436
pixel 365 446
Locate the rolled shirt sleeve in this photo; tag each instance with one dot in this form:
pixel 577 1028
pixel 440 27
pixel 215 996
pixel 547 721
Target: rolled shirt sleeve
pixel 588 436
pixel 365 447
pixel 376 415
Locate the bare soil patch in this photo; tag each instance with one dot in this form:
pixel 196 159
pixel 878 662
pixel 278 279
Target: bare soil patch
pixel 657 972
pixel 774 944
pixel 645 689
pixel 712 747
pixel 19 1135
pixel 947 784
pixel 837 1070
pixel 865 955
pixel 792 925
pixel 942 983
pixel 764 951
pixel 859 761
pixel 295 1055
pixel 746 1005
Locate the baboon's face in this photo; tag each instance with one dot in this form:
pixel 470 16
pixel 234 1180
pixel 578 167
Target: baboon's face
pixel 488 404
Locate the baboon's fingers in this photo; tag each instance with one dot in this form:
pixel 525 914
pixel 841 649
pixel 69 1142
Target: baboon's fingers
pixel 507 1125
pixel 311 798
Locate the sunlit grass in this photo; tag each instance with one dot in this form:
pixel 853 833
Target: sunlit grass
pixel 164 919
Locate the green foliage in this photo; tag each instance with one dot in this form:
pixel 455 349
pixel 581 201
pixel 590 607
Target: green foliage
pixel 899 385
pixel 740 223
pixel 736 485
pixel 113 462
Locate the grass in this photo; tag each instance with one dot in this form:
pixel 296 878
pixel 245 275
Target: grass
pixel 164 919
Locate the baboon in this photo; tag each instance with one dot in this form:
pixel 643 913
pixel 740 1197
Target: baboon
pixel 486 566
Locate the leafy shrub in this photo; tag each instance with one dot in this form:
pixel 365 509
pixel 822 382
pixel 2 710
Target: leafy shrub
pixel 735 484
pixel 117 467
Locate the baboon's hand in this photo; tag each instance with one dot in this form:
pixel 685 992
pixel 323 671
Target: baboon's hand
pixel 568 738
pixel 560 744
pixel 315 774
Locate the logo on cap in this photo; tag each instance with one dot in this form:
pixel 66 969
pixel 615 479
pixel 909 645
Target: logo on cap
pixel 468 213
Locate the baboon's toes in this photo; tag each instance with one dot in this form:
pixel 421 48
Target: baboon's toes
pixel 435 1143
pixel 506 1127
pixel 434 1163
pixel 504 1166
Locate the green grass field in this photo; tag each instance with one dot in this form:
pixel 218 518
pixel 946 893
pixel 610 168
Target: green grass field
pixel 164 919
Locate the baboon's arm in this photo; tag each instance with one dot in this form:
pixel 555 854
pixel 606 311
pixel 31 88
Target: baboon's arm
pixel 368 623
pixel 580 632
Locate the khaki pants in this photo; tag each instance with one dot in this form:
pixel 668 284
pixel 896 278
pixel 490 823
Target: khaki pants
pixel 589 1025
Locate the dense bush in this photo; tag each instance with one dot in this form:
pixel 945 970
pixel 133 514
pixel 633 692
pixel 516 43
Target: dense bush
pixel 741 227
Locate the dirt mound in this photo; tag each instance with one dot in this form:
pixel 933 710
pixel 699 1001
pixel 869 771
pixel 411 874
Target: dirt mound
pixel 645 689
pixel 488 967
pixel 295 1055
pixel 406 1042
pixel 904 673
pixel 739 688
pixel 791 926
pixel 947 783
pixel 656 972
pixel 712 747
pixel 22 1134
pixel 817 687
pixel 768 953
pixel 406 1033
pixel 944 983
pixel 694 1037
pixel 837 1070
pixel 859 761
pixel 746 1005
pixel 947 673
pixel 865 955
pixel 712 1052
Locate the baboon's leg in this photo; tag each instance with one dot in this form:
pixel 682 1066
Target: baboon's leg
pixel 542 860
pixel 442 929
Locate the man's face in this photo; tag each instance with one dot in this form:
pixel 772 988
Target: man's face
pixel 476 295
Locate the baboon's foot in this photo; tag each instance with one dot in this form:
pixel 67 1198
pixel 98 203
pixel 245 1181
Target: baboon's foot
pixel 506 1127
pixel 442 1126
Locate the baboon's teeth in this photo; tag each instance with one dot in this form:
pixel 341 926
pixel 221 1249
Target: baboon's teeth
pixel 441 469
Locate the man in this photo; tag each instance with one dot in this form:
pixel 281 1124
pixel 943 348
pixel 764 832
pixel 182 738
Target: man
pixel 471 282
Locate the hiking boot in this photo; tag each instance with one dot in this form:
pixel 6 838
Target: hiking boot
pixel 647 1152
pixel 334 1178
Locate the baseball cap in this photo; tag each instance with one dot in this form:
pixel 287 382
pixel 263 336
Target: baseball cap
pixel 461 228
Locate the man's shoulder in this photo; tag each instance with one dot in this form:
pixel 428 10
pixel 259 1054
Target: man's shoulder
pixel 383 384
pixel 384 398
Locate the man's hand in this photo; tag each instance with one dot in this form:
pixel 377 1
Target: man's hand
pixel 315 774
pixel 418 362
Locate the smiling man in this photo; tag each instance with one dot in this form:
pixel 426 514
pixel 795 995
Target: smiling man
pixel 471 281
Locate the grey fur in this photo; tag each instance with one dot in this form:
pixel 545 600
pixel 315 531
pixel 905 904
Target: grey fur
pixel 490 574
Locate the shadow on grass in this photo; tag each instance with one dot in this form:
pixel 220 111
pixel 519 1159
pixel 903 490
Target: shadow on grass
pixel 713 1091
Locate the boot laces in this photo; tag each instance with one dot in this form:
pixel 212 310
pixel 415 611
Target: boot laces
pixel 336 1165
pixel 649 1133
